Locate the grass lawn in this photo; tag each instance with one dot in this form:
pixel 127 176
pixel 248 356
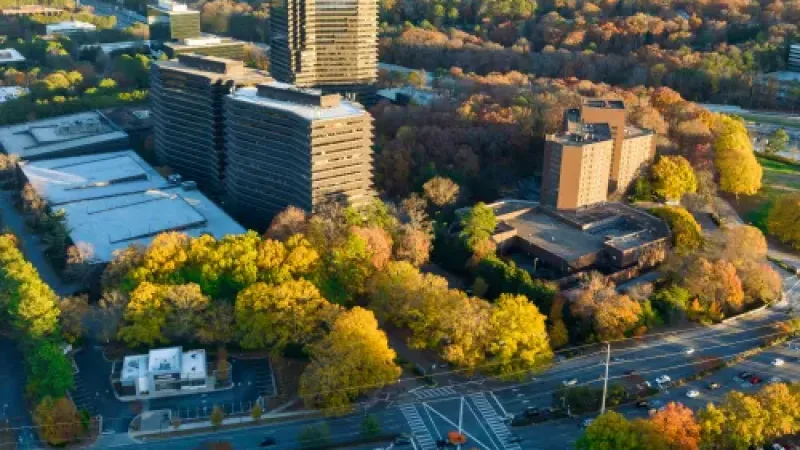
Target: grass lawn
pixel 779 178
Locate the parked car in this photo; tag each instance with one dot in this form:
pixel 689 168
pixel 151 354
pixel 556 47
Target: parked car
pixel 532 411
pixel 587 422
pixel 268 441
pixel 774 380
pixel 693 393
pixel 688 351
pixel 570 382
pixel 745 375
pixel 713 385
pixel 777 362
pixel 643 404
pixel 754 380
pixel 403 439
pixel 663 379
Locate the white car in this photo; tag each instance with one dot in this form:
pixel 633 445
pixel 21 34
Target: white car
pixel 570 382
pixel 688 351
pixel 777 362
pixel 693 393
pixel 663 379
pixel 774 380
pixel 587 422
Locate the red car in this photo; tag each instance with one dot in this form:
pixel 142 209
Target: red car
pixel 754 379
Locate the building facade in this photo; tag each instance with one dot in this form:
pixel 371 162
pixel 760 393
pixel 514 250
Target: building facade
pixel 165 371
pixel 576 169
pixel 289 146
pixel 171 21
pixel 187 97
pixel 328 44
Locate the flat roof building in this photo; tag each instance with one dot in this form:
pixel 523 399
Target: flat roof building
pixel 114 200
pixel 166 370
pixel 607 236
pixel 206 44
pixel 289 146
pixel 75 134
pixel 10 56
pixel 187 97
pixel 68 27
pixel 170 20
pixel 329 44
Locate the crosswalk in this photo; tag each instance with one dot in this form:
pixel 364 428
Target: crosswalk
pixel 418 428
pixel 493 420
pixel 435 392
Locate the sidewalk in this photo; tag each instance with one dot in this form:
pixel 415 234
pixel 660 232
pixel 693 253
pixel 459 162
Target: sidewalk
pixel 206 425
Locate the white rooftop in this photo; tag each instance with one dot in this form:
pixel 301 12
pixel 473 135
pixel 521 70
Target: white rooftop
pixel 58 135
pixel 193 365
pixel 108 47
pixel 174 7
pixel 165 360
pixel 11 92
pixel 69 26
pixel 10 55
pixel 133 367
pixel 113 200
pixel 345 108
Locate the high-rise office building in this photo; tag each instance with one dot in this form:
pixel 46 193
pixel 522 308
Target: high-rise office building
pixel 291 146
pixel 577 164
pixel 633 147
pixel 187 97
pixel 327 44
pixel 178 28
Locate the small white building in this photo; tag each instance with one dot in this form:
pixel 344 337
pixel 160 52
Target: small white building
pixel 69 27
pixel 10 56
pixel 166 370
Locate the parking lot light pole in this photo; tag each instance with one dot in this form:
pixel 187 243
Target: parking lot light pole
pixel 605 378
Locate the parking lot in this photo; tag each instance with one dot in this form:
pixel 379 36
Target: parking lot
pixel 251 378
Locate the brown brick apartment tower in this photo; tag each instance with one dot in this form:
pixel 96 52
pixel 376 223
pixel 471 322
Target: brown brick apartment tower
pixel 327 44
pixel 292 146
pixel 576 168
pixel 187 97
pixel 633 147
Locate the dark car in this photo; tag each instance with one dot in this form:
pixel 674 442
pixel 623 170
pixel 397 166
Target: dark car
pixel 268 441
pixel 642 404
pixel 713 385
pixel 403 439
pixel 532 411
pixel 745 375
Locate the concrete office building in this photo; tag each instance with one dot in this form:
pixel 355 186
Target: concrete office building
pixel 328 44
pixel 178 27
pixel 633 147
pixel 187 98
pixel 290 146
pixel 577 165
pixel 164 372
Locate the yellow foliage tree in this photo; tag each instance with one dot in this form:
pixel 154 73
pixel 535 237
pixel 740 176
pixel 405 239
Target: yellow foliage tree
pixel 518 336
pixel 58 421
pixel 352 359
pixel 673 177
pixel 272 316
pixel 739 170
pixel 783 219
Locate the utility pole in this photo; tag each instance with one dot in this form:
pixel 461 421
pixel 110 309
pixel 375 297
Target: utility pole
pixel 605 379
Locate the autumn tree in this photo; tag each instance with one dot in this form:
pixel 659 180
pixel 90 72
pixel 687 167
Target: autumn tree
pixel 673 177
pixel 352 359
pixel 518 336
pixel 217 416
pixel 675 425
pixel 57 421
pixel 716 287
pixel 604 313
pixel 288 222
pixel 275 316
pixel 783 219
pixel 739 171
pixel 145 316
pixel 686 232
pixel 74 314
pixel 440 191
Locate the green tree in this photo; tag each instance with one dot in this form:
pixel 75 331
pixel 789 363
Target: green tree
pixel 256 412
pixel 673 177
pixel 313 436
pixel 610 431
pixel 49 370
pixel 478 225
pixel 370 427
pixel 777 142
